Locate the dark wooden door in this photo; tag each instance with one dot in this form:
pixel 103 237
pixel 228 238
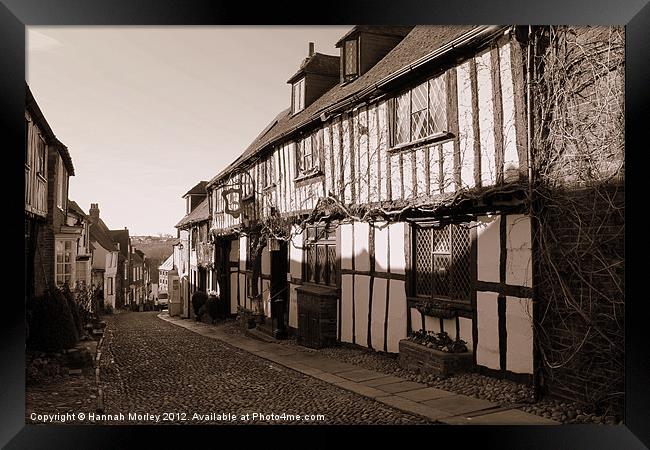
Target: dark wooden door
pixel 279 290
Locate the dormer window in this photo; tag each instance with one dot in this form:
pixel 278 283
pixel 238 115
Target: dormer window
pixel 298 96
pixel 351 59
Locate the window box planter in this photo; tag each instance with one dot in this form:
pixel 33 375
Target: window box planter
pixel 428 361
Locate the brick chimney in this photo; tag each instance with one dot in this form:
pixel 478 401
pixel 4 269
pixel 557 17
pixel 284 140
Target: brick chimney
pixel 311 49
pixel 94 212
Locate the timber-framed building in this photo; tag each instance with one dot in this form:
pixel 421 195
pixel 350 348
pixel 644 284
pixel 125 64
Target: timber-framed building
pixel 393 195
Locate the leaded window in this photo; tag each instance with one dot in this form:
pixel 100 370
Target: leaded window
pixel 351 67
pixel 309 152
pixel 64 260
pixel 442 262
pixel 320 254
pixel 298 96
pixel 420 112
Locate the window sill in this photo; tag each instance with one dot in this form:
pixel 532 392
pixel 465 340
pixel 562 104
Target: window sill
pixel 437 138
pixel 458 305
pixel 308 176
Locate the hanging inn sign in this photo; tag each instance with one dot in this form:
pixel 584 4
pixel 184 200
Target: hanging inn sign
pixel 234 193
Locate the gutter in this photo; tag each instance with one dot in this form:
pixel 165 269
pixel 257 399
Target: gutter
pixel 476 35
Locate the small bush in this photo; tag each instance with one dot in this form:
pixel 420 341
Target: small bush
pixel 108 309
pixel 213 307
pixel 52 326
pixel 74 308
pixel 199 298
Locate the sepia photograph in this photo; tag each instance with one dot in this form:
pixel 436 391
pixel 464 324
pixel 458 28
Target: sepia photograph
pixel 356 225
pixel 375 218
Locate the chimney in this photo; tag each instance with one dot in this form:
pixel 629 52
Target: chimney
pixel 311 49
pixel 94 212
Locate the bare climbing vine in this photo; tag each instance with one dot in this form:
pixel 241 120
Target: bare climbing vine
pixel 578 206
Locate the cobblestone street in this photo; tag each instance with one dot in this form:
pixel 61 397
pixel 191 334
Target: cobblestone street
pixel 151 366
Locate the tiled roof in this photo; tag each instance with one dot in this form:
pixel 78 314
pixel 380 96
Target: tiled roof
pixel 198 214
pixel 386 30
pixel 168 264
pixel 100 236
pixel 420 42
pixel 197 190
pixel 76 208
pixel 320 64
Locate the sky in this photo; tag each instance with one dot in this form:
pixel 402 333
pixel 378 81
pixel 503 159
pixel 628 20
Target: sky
pixel 148 112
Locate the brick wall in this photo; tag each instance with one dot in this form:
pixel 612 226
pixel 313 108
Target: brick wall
pixel 580 281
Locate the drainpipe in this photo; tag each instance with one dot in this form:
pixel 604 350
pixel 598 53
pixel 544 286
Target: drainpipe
pixel 533 221
pixel 529 78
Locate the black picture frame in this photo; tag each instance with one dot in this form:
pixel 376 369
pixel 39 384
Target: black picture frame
pixel 16 14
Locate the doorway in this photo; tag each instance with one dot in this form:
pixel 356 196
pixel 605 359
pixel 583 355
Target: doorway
pixel 279 291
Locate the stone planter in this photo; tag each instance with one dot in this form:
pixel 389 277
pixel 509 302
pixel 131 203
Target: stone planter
pixel 429 361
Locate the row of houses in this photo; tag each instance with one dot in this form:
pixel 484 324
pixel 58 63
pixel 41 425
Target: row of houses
pixel 63 244
pixel 410 186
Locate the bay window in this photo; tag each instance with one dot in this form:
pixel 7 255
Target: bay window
pixel 63 264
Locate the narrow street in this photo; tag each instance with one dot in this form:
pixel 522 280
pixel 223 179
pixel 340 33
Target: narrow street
pixel 149 366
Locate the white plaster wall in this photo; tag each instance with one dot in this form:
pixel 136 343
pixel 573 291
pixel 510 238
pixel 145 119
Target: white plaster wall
pixel 407 172
pixel 383 146
pixel 397 255
pixel 266 261
pixel 395 180
pixel 396 315
pixel 344 238
pixel 487 351
pixel 373 155
pixel 432 324
pixel 347 285
pixel 511 158
pixel 434 170
pixel 448 181
pixel 519 255
pixel 347 160
pixel 421 172
pixel 449 326
pixel 465 326
pixel 361 298
pixel 486 118
pixel 488 248
pixel 243 245
pixel 295 252
pixel 266 297
pixel 361 248
pixel 416 319
pixel 378 313
pixel 465 126
pixel 519 323
pixel 361 152
pixel 381 247
pixel 293 306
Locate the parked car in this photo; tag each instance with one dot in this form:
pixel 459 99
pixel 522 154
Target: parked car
pixel 161 302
